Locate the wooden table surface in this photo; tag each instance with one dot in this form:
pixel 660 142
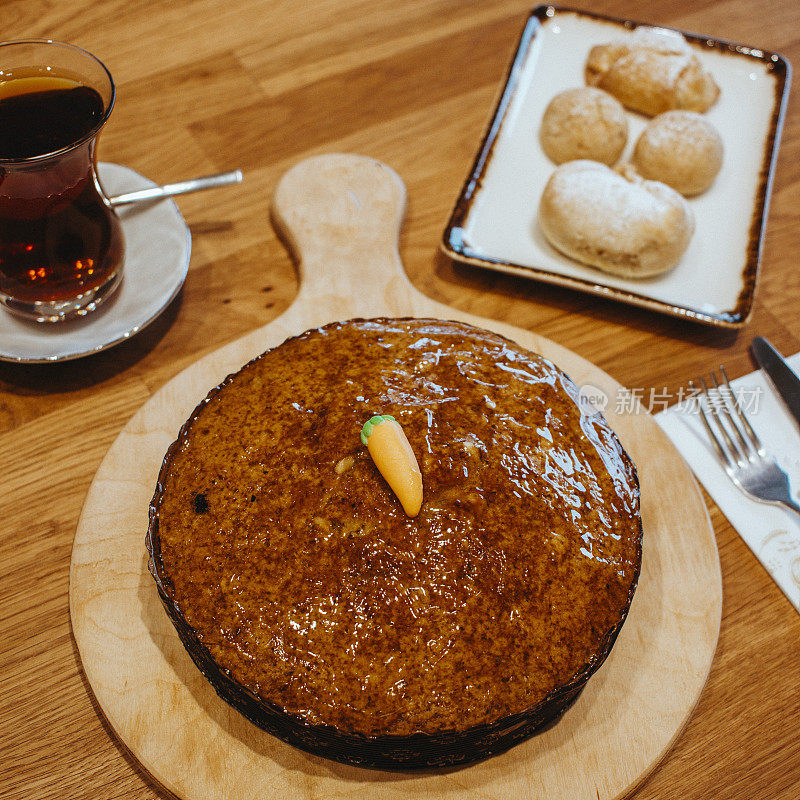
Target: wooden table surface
pixel 210 85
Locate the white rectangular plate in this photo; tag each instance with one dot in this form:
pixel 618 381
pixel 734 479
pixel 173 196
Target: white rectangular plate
pixel 494 222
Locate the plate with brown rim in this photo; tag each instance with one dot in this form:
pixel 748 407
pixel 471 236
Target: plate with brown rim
pixel 494 221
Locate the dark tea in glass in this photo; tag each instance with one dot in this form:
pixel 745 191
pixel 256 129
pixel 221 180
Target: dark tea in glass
pixel 61 244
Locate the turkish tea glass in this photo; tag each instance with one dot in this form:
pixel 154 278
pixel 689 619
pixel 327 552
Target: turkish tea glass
pixel 62 248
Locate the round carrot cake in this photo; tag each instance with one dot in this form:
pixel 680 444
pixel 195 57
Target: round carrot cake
pixel 327 615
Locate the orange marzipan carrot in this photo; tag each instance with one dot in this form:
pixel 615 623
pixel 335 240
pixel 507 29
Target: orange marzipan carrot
pixel 394 458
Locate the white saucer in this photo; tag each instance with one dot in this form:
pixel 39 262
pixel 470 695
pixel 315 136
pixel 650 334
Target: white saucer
pixel 157 248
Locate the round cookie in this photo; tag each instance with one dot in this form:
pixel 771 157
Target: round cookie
pixel 681 149
pixel 620 224
pixel 652 70
pixel 584 123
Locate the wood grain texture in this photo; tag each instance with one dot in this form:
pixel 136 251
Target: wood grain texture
pixel 341 215
pixel 184 69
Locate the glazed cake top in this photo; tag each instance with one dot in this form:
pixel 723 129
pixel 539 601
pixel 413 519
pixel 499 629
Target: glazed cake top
pixel 284 549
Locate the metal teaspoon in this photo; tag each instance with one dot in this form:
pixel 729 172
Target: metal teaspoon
pixel 182 187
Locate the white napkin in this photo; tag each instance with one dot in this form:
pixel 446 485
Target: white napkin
pixel 772 533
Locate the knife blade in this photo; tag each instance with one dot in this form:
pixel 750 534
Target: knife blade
pixel 783 378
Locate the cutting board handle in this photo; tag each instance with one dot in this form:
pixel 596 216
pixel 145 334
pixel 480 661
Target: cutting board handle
pixel 340 216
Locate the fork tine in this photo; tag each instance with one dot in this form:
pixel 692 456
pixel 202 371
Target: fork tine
pixel 734 455
pixel 746 449
pixel 756 473
pixel 723 456
pixel 754 440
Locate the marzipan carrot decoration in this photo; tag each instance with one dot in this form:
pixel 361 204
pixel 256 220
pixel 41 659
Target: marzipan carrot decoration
pixel 394 458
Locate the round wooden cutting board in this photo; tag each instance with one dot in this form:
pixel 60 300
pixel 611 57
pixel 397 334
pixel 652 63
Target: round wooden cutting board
pixel 341 215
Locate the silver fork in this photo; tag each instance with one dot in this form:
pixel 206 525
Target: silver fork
pixel 751 468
